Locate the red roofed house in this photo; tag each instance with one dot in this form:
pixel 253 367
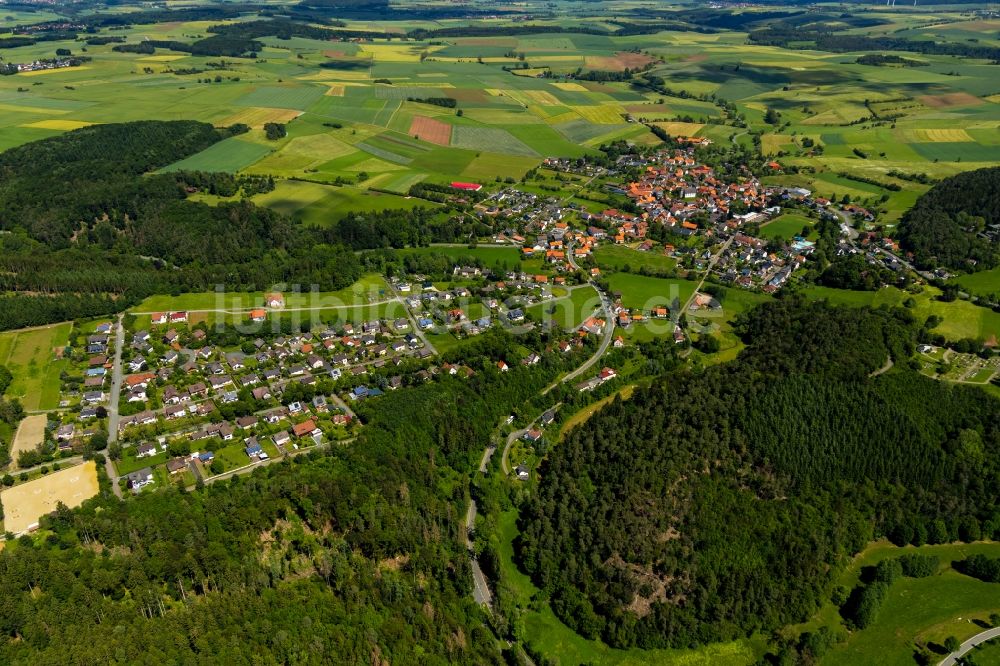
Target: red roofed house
pixel 304 429
pixel 471 187
pixel 258 315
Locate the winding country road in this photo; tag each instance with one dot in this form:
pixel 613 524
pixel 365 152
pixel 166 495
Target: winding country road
pixel 969 644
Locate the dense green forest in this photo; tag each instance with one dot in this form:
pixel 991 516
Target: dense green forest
pixel 946 225
pixel 352 555
pixel 714 505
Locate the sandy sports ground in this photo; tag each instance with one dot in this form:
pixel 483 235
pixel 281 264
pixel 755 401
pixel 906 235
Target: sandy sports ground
pixel 29 435
pixel 23 505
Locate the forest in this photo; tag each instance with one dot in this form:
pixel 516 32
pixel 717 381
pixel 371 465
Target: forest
pixel 353 554
pixel 825 38
pixel 950 224
pixel 717 504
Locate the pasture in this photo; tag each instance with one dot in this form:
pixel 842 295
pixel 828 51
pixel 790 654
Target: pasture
pixel 34 358
pixel 646 292
pixel 917 609
pixel 620 256
pixel 983 282
pixel 960 319
pixel 26 503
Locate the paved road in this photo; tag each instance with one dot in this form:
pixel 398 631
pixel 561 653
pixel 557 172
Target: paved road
pixel 511 438
pixel 609 328
pixel 979 638
pixel 609 334
pixel 487 454
pixel 847 224
pixel 417 331
pixel 480 587
pixel 116 389
pixel 708 269
pixel 337 400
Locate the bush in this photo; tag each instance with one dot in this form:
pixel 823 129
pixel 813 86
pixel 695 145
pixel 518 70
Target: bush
pixel 275 131
pixel 918 566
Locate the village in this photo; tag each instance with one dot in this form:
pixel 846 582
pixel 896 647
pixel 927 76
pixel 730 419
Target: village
pixel 184 398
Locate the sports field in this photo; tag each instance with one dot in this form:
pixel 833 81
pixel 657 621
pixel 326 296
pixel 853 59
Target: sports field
pixel 24 504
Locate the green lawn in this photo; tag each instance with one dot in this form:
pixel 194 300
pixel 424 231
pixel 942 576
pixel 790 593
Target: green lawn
pixel 570 311
pixel 129 463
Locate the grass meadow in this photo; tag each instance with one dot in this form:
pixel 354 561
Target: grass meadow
pixel 34 358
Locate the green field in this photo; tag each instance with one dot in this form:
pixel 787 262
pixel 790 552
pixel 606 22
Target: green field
pixel 921 610
pixel 962 319
pixel 784 227
pixel 619 256
pixel 567 312
pixel 369 289
pixel 983 282
pixel 33 357
pixel 490 256
pixel 230 155
pixel 645 292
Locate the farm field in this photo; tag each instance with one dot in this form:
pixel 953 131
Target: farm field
pixel 353 109
pixel 34 358
pixel 26 503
